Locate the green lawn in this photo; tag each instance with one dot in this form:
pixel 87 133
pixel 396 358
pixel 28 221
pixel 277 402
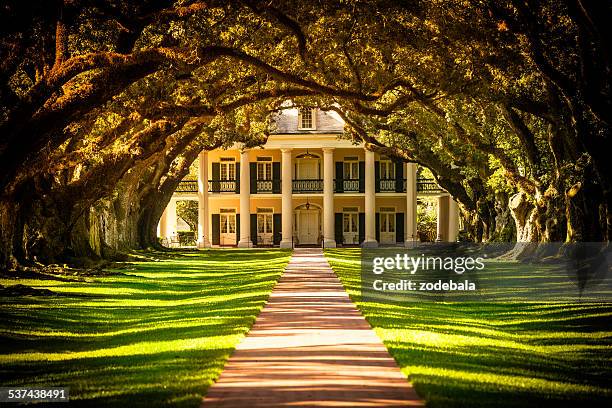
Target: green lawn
pixel 156 334
pixel 493 354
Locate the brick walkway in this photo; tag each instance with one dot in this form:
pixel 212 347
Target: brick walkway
pixel 310 347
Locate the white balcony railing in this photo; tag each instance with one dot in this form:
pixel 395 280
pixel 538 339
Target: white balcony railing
pixel 386 185
pixel 350 185
pixel 308 186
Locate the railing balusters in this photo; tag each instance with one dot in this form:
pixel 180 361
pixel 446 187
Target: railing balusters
pixel 222 186
pixel 264 186
pixel 387 185
pixel 187 186
pixel 350 185
pixel 424 185
pixel 307 186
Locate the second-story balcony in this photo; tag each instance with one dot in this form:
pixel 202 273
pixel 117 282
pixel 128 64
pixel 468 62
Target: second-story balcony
pixel 223 186
pixel 388 185
pixel 349 185
pixel 266 186
pixel 305 186
pixel 310 186
pixel 425 185
pixel 187 186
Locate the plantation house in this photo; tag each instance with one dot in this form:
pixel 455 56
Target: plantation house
pixel 307 187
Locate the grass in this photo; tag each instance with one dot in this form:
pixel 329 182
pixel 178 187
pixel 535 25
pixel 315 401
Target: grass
pixel 156 334
pixel 492 354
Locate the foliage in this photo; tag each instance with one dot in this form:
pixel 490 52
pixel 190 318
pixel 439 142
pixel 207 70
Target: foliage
pixel 427 219
pixel 107 104
pixel 188 211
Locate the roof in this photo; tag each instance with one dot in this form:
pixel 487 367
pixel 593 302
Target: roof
pixel 327 122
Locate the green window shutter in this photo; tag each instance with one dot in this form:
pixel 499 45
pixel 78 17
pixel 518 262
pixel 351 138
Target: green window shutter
pixel 237 228
pixel 254 229
pixel 253 177
pixel 277 222
pixel 276 183
pixel 339 177
pixel 338 235
pixel 237 177
pixel 399 178
pixel 216 229
pixel 216 175
pixel 399 227
pixel 362 177
pixel 378 227
pixel 361 227
pixel 377 176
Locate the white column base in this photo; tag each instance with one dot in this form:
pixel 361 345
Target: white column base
pixel 411 243
pixel 369 244
pixel 204 244
pixel 286 244
pixel 245 244
pixel 329 243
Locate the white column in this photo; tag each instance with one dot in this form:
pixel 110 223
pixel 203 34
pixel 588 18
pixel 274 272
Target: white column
pixel 171 219
pixel 245 201
pixel 203 238
pixel 370 202
pixel 329 240
pixel 453 220
pixel 287 200
pixel 411 205
pixel 442 219
pixel 162 226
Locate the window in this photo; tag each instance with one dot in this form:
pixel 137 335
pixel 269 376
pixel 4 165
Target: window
pixel 264 168
pixel 351 169
pixel 306 119
pixel 227 169
pixel 387 170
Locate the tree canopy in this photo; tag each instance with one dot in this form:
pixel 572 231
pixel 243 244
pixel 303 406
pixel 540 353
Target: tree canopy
pixel 106 103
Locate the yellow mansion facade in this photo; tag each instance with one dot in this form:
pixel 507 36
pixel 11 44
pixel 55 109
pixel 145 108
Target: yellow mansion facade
pixel 306 186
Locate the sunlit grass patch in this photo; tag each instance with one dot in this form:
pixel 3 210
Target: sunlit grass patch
pixel 154 334
pixel 492 354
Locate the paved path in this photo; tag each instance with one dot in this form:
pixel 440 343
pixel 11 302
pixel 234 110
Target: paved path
pixel 310 347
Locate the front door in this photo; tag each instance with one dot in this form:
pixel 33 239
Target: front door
pixel 387 227
pixel 264 229
pixel 228 229
pixel 350 228
pixel 308 227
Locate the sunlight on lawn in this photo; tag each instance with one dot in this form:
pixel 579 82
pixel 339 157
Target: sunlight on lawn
pixel 154 334
pixel 493 354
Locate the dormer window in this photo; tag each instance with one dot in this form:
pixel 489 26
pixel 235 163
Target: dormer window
pixel 307 119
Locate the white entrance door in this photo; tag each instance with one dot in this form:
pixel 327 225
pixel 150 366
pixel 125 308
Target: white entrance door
pixel 350 228
pixel 264 229
pixel 228 229
pixel 387 227
pixel 308 228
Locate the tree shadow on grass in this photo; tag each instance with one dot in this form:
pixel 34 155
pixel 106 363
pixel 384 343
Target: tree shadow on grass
pixel 157 335
pixel 493 354
pixel 150 380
